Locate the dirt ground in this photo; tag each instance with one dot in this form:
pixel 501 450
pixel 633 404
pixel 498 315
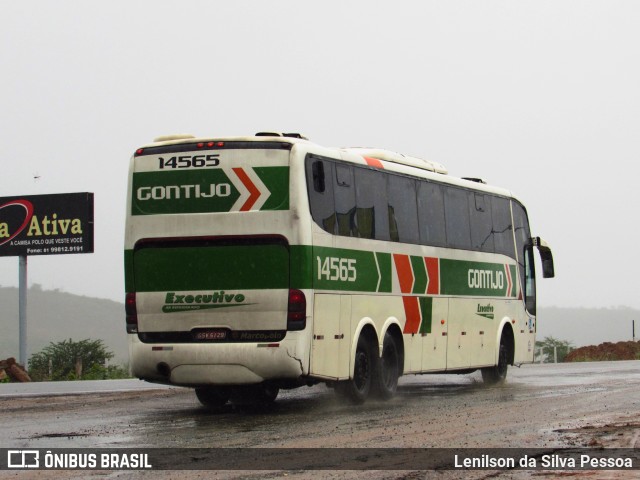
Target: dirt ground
pixel 605 352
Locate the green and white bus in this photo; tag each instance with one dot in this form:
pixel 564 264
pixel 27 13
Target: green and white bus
pixel 266 262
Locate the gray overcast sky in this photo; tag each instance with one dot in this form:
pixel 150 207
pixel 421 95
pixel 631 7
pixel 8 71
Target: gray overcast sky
pixel 541 97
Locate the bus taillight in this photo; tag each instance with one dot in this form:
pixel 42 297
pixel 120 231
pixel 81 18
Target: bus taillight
pixel 132 313
pixel 296 311
pixel 209 144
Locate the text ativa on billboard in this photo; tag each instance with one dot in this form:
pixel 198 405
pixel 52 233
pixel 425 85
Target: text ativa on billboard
pixel 46 224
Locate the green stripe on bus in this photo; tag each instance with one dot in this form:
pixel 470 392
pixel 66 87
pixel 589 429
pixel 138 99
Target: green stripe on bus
pixel 463 277
pixel 426 308
pixel 182 191
pixel 419 275
pixel 203 190
pixel 301 267
pixel 128 271
pixel 343 269
pixel 276 179
pixel 250 267
pixel 384 264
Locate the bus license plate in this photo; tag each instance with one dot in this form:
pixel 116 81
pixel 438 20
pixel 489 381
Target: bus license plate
pixel 210 335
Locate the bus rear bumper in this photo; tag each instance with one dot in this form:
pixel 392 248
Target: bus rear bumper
pixel 214 364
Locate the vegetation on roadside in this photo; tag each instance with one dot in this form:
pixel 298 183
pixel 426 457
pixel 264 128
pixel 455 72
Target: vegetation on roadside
pixel 553 349
pixel 75 360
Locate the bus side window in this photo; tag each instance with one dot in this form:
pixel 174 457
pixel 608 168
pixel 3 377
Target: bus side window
pixel 345 200
pixel 372 216
pixel 403 210
pixel 522 235
pixel 321 194
pixel 431 214
pixel 456 210
pixel 481 224
pixel 502 228
pixel 318 176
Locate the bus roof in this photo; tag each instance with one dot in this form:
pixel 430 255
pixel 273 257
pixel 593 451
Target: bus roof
pixel 373 157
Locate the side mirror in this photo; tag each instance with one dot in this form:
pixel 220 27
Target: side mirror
pixel 546 256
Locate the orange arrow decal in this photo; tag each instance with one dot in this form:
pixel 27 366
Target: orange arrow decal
pixel 405 272
pixel 254 193
pixel 433 272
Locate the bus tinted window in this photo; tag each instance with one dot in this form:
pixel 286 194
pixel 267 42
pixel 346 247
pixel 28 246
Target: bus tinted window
pixel 321 199
pixel 345 201
pixel 431 214
pixel 521 226
pixel 502 228
pixel 456 210
pixel 481 222
pixel 403 210
pixel 357 201
pixel 372 217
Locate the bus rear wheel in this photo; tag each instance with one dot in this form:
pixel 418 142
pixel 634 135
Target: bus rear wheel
pixel 357 389
pixel 260 394
pixel 498 373
pixel 213 397
pixel 386 383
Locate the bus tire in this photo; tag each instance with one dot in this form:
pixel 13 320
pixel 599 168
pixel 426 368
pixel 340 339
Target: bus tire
pixel 498 373
pixel 386 383
pixel 357 389
pixel 260 394
pixel 213 397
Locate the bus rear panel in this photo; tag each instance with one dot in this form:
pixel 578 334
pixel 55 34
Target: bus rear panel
pixel 208 264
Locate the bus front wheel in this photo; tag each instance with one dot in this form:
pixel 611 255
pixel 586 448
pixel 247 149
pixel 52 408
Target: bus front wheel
pixel 498 373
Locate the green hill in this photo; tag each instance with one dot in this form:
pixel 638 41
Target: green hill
pixel 53 316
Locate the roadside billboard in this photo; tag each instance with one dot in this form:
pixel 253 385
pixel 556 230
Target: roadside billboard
pixel 46 224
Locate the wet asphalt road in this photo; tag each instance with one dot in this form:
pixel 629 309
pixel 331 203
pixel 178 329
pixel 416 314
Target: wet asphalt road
pixel 539 406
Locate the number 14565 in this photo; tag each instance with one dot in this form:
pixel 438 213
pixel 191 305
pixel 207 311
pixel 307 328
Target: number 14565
pixel 334 269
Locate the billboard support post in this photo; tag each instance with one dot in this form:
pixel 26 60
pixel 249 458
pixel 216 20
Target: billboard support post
pixel 22 310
